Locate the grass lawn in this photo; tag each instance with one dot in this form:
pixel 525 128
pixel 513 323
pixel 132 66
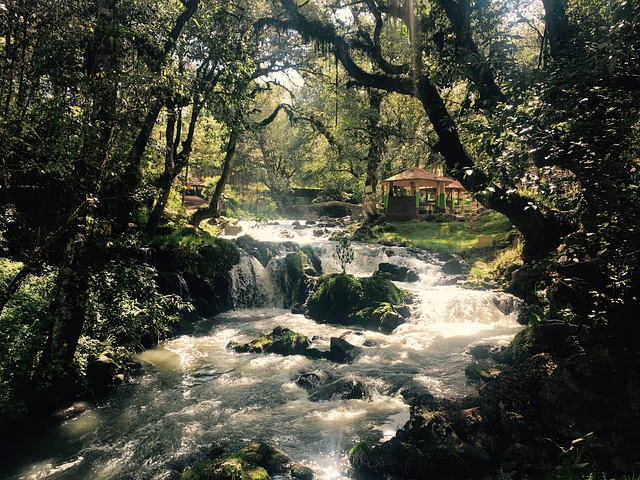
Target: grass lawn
pixel 451 237
pixel 461 238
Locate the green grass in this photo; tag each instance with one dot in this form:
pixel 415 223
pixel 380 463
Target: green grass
pixel 491 266
pixel 452 237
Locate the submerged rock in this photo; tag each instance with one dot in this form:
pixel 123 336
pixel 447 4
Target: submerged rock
pixel 342 389
pixel 312 381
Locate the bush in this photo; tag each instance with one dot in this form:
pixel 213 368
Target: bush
pixel 24 326
pixel 195 252
pixel 126 309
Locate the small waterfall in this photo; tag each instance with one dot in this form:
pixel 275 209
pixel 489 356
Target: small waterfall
pixel 254 286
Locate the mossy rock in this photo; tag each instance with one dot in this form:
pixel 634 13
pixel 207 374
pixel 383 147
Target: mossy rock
pixel 312 258
pixel 361 456
pixel 281 340
pixel 481 371
pixel 383 317
pixel 335 297
pixel 255 462
pixel 345 299
pixel 294 263
pixel 367 302
pixel 301 472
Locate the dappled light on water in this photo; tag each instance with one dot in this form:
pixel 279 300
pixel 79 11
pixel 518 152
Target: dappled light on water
pixel 196 394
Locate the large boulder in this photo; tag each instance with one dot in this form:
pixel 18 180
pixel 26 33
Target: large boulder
pixel 367 302
pixel 426 447
pixel 104 371
pixel 396 273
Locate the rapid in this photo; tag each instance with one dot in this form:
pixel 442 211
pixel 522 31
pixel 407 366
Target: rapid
pixel 195 394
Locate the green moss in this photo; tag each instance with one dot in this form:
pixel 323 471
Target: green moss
pixel 380 289
pixel 361 456
pixel 255 462
pixel 368 302
pixel 335 298
pixel 281 340
pixel 312 257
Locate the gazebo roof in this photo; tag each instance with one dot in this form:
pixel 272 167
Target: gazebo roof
pixel 419 176
pixel 455 185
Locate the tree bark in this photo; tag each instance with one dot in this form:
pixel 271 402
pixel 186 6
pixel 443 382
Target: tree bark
pixel 213 209
pixel 374 155
pixel 131 177
pixel 556 26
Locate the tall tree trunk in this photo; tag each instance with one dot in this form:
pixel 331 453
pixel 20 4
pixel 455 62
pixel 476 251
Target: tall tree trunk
pixel 374 155
pixel 556 26
pixel 213 209
pixel 101 63
pixel 132 176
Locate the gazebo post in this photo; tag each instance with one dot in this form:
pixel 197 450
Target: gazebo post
pixel 389 186
pixel 441 200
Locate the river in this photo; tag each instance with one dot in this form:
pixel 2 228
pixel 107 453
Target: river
pixel 195 394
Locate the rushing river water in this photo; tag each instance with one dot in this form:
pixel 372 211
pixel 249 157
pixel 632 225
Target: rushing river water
pixel 195 393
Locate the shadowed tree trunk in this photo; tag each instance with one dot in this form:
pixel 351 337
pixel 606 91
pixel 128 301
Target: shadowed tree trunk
pixel 377 140
pixel 213 209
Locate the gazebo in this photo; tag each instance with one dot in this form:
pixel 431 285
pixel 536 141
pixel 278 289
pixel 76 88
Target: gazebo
pixel 416 193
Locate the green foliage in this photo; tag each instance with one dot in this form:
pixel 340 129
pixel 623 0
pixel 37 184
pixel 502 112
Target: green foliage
pixel 260 209
pixel 344 252
pixel 186 250
pixel 24 326
pixel 125 307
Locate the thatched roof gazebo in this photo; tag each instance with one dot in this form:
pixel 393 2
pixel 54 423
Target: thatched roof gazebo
pixel 416 193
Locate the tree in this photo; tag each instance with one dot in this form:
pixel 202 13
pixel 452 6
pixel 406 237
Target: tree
pixel 362 47
pixel 210 47
pixel 82 129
